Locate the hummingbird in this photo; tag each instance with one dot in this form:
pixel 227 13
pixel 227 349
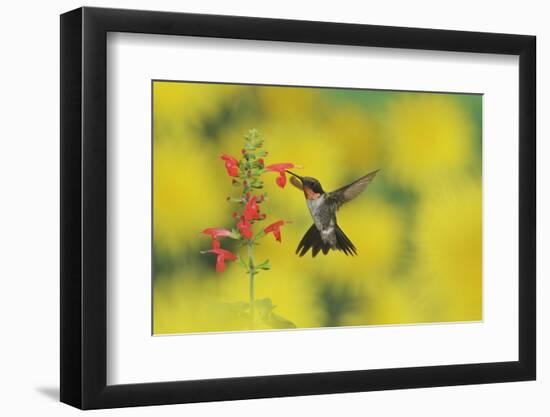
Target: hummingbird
pixel 325 234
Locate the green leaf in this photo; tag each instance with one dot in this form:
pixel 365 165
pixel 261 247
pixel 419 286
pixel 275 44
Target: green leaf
pixel 235 234
pixel 264 306
pixel 242 262
pixel 238 310
pixel 264 265
pixel 259 235
pixel 279 322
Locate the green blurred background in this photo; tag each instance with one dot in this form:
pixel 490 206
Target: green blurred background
pixel 417 228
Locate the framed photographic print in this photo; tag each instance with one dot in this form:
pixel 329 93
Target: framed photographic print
pixel 258 207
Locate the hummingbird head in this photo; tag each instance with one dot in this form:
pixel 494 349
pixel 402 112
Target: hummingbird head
pixel 311 186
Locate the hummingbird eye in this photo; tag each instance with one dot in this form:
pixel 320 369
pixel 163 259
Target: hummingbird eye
pixel 314 185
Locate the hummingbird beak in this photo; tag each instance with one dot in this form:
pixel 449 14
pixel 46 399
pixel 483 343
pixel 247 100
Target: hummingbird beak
pixel 296 180
pixel 292 173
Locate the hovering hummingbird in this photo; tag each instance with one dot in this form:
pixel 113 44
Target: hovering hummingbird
pixel 325 234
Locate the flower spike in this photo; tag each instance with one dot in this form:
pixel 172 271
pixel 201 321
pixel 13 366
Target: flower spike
pixel 215 233
pixel 275 228
pixel 251 209
pixel 280 168
pixel 245 228
pixel 223 255
pixel 231 165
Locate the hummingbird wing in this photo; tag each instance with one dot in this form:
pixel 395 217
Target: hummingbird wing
pixel 350 191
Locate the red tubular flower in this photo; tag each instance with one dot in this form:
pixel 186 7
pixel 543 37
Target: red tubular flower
pixel 280 168
pixel 223 255
pixel 215 233
pixel 276 229
pixel 231 165
pixel 245 228
pixel 251 210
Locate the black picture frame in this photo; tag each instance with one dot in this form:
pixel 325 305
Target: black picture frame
pixel 84 207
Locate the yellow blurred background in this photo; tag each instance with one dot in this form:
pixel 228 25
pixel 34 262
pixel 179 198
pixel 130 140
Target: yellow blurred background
pixel 417 227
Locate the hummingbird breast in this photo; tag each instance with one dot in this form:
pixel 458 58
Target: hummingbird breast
pixel 324 218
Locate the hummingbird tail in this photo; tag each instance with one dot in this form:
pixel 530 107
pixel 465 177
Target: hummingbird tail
pixel 312 240
pixel 343 243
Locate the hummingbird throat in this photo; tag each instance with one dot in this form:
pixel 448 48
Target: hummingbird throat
pixel 310 194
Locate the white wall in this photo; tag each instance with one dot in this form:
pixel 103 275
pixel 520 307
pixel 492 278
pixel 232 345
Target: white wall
pixel 29 173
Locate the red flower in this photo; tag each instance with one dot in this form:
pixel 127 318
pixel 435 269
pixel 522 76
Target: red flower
pixel 276 229
pixel 245 228
pixel 251 210
pixel 280 168
pixel 215 233
pixel 223 255
pixel 231 165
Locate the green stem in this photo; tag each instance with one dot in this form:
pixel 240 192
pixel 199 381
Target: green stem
pixel 251 280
